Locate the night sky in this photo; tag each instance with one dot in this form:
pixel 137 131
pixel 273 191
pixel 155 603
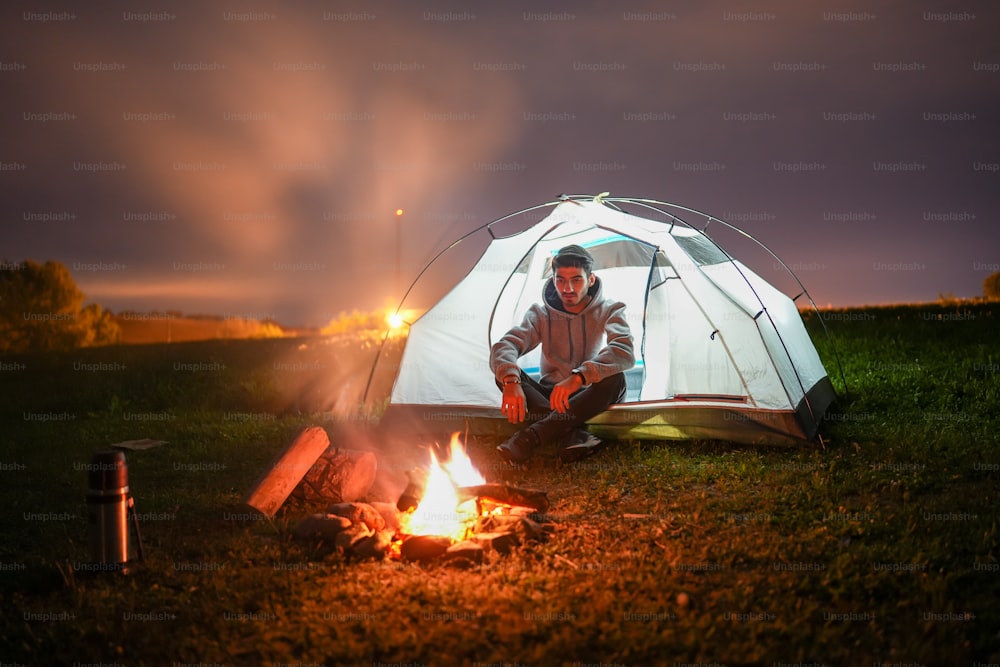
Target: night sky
pixel 247 159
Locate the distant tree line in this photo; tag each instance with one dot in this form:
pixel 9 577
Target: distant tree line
pixel 42 309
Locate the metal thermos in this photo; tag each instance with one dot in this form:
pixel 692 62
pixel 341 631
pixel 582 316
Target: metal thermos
pixel 109 511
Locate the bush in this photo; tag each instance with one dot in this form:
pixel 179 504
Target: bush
pixel 355 322
pixel 41 310
pixel 991 286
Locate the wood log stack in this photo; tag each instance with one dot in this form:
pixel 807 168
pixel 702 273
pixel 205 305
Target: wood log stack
pixel 368 531
pixel 312 471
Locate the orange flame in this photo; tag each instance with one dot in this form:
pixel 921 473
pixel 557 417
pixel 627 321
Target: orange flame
pixel 439 511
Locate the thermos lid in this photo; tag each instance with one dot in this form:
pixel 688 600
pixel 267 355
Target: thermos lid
pixel 107 471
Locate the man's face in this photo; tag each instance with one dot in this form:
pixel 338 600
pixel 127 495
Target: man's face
pixel 572 284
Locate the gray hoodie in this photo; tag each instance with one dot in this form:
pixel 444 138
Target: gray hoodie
pixel 570 342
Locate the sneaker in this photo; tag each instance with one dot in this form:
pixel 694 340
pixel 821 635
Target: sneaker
pixel 518 447
pixel 579 445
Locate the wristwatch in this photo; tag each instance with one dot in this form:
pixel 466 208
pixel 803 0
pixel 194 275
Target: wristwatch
pixel 511 379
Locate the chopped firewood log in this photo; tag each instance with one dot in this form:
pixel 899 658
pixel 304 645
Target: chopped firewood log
pixel 424 548
pixel 359 513
pixel 325 527
pixel 522 526
pixel 389 513
pixel 349 538
pixel 287 469
pixel 506 494
pixel 469 551
pixel 375 546
pixel 338 475
pixel 499 542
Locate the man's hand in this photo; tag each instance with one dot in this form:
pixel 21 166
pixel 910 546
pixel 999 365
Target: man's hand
pixel 559 398
pixel 513 406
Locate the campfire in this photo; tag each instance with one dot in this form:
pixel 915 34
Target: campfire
pixel 448 511
pixel 451 506
pixel 440 509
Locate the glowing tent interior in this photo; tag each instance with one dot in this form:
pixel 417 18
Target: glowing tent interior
pixel 721 352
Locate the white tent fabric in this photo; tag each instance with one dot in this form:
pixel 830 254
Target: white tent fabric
pixel 720 352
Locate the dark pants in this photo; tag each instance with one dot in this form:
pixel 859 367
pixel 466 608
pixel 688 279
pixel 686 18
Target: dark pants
pixel 587 402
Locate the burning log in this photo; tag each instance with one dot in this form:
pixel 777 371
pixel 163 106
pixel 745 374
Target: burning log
pixel 362 530
pixel 507 495
pixel 447 513
pixel 424 548
pixel 414 490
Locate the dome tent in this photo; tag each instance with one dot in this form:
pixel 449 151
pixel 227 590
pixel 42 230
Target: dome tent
pixel 720 352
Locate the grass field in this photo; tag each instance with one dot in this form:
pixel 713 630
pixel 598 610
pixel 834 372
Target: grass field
pixel 880 547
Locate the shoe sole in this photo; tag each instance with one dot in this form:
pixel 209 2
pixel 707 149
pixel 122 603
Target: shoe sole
pixel 581 451
pixel 508 456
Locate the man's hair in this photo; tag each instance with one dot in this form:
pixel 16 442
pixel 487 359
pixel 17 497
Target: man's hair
pixel 575 256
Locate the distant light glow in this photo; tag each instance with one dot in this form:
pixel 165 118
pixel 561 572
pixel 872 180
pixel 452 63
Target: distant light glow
pixel 399 213
pixel 396 320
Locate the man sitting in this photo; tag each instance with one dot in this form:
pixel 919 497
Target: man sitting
pixel 580 378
